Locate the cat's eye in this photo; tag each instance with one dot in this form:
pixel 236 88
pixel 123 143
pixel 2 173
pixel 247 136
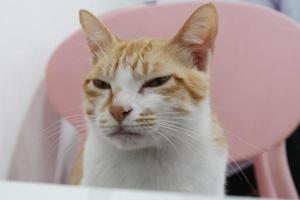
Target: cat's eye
pixel 157 81
pixel 101 84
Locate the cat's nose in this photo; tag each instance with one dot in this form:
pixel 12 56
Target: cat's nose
pixel 119 112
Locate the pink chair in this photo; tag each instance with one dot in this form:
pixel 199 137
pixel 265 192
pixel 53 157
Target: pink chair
pixel 254 75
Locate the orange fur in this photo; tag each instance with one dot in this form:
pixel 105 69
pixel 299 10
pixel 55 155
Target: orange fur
pixel 149 58
pixel 76 173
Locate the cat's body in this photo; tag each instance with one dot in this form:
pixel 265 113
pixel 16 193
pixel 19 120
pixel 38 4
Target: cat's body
pixel 148 110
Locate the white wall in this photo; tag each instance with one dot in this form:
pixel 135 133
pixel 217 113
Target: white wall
pixel 30 30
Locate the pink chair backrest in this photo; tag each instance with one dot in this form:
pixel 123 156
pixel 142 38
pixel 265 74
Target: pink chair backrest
pixel 254 72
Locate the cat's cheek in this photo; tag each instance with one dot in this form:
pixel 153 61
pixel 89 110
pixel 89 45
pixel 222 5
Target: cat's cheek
pixel 150 100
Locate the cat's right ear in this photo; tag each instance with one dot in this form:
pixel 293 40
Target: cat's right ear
pixel 99 37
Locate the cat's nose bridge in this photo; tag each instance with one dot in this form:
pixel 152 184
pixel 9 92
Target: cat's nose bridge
pixel 124 98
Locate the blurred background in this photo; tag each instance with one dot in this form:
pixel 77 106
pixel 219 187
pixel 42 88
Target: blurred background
pixel 30 31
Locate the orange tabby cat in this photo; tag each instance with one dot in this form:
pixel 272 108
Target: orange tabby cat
pixel 148 110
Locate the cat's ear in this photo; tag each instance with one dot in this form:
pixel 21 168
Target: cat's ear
pixel 198 34
pixel 99 37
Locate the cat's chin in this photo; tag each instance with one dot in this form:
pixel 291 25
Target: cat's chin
pixel 129 140
pixel 125 134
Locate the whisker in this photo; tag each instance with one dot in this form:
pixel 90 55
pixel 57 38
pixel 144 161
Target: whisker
pixel 243 174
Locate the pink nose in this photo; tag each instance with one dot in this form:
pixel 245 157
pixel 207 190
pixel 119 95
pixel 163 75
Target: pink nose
pixel 119 112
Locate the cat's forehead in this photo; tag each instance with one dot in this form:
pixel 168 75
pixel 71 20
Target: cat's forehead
pixel 138 58
pixel 124 79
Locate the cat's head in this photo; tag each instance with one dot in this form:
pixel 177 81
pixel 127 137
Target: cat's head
pixel 148 92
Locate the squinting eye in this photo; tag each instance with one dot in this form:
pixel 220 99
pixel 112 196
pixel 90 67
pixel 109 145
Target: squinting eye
pixel 101 84
pixel 157 81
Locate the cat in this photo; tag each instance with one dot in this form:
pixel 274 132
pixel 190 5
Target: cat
pixel 148 110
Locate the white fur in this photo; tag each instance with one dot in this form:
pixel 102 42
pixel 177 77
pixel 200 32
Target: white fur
pixel 189 162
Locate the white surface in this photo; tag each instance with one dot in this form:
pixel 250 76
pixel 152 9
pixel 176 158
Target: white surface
pixel 16 191
pixel 30 31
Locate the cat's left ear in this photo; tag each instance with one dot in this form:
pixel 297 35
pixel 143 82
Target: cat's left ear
pixel 198 34
pixel 99 37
